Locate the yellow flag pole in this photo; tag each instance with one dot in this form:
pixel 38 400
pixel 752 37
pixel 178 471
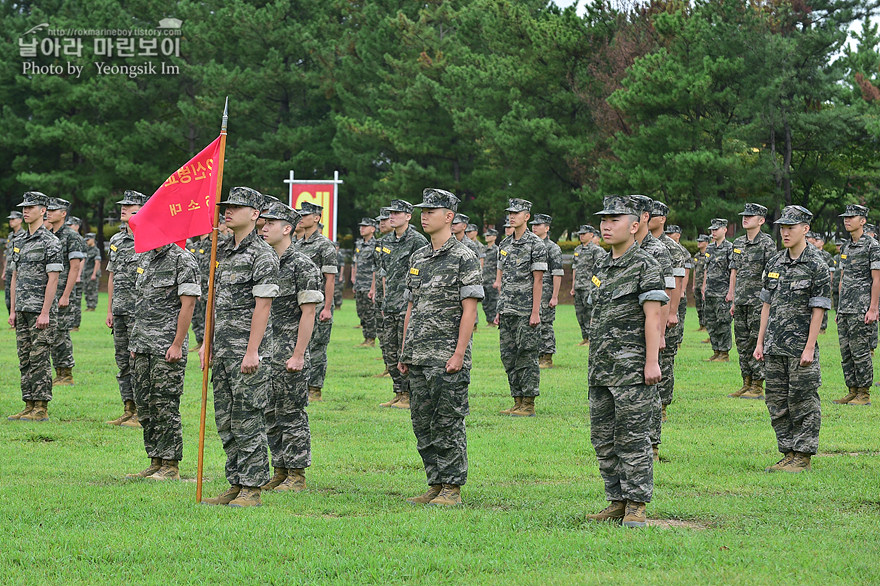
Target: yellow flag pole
pixel 209 308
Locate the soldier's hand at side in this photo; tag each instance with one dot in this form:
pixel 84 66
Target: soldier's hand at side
pixel 250 363
pixel 371 295
pixel 174 353
pixel 871 316
pixel 326 314
pixel 571 292
pixel 731 309
pixel 295 363
pixel 42 321
pixel 662 345
pixel 202 357
pixel 11 319
pixel 672 320
pixel 64 301
pixel 403 368
pixel 807 356
pixel 454 364
pixel 534 320
pixel 496 320
pixel 759 352
pixel 109 321
pixel 496 285
pixel 554 301
pixel 652 373
pixel 729 297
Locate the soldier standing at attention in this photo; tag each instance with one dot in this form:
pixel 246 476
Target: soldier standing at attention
pixel 460 227
pixel 377 289
pixel 36 263
pixel 91 272
pixel 674 234
pixel 797 291
pixel 167 286
pixel 201 250
pixel 121 299
pixel 549 292
pixel 718 291
pixel 490 265
pixel 699 278
pixel 15 221
pixel 624 367
pixel 443 287
pixel 73 252
pixel 471 232
pixel 586 255
pixel 857 312
pixel 835 276
pixel 246 282
pixel 522 262
pixel 751 253
pixel 395 251
pixel 293 319
pixel 322 252
pixel 75 224
pixel 340 278
pixel 362 280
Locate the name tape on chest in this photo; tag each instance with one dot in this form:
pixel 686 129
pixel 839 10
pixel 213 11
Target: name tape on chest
pixel 16 249
pixel 503 252
pixel 737 251
pixel 113 247
pixel 386 250
pixel 773 275
pixel 140 270
pixel 414 271
pixel 596 281
pixel 842 257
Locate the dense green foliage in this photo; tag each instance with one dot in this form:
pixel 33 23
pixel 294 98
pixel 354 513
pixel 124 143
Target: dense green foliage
pixel 704 104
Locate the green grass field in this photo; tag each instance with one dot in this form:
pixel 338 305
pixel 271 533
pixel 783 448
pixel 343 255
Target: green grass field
pixel 69 516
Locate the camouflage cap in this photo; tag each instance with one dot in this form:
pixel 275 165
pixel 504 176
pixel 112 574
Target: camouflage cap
pixel 471 228
pixel 643 203
pixel 659 209
pixel 619 205
pixel 792 215
pixel 268 199
pixel 871 228
pixel 73 221
pixel 14 216
pixel 703 238
pixel 507 224
pixel 367 222
pixel 133 198
pixel 89 235
pixel 276 210
pixel 308 208
pixel 673 229
pixel 584 229
pixel 812 234
pixel 819 236
pixel 754 209
pixel 516 204
pixel 58 203
pixel 399 205
pixel 461 219
pixel 854 210
pixel 717 223
pixel 384 214
pixel 243 196
pixel 438 198
pixel 541 219
pixel 490 232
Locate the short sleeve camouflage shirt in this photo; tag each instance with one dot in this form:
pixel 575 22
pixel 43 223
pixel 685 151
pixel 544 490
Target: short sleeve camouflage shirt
pixel 34 256
pixel 857 260
pixel 364 258
pixel 123 265
pixel 299 282
pixel 394 261
pixel 517 260
pixel 749 260
pixel 718 262
pixel 73 247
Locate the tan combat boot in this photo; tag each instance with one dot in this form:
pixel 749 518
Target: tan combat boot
pixel 391 402
pixel 195 348
pixel 799 463
pixel 517 401
pixel 545 361
pixel 785 461
pixel 706 341
pixel 59 376
pixel 722 357
pixel 701 329
pixel 132 421
pixel 280 475
pixel 315 394
pixel 295 481
pixel 225 497
pixel 635 515
pixel 368 343
pixel 424 499
pixel 128 409
pixel 713 357
pixel 747 384
pixel 584 342
pixel 526 408
pixel 155 465
pixel 757 390
pixel 863 399
pixel 40 412
pixel 248 497
pixel 655 452
pixel 65 377
pixel 28 407
pixel 382 374
pixel 663 417
pixel 852 394
pixel 450 496
pixel 168 471
pixel 402 402
pixel 614 512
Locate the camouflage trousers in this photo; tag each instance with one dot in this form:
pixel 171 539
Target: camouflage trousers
pixel 198 318
pixel 287 423
pixel 391 340
pixel 438 406
pixel 8 291
pixel 620 421
pixel 367 313
pixel 122 325
pixel 582 311
pixel 746 323
pixel 490 302
pixel 793 402
pixel 718 318
pixel 91 293
pixel 76 301
pixel 855 349
pixel 158 386
pixel 337 294
pixel 519 355
pixel 667 382
pixel 62 346
pixel 682 314
pixel 239 404
pixel 34 348
pixel 545 330
pixel 699 304
pixel 873 336
pixel 318 348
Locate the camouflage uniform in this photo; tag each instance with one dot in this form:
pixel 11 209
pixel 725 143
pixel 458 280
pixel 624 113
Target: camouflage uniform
pixel 322 252
pixel 679 259
pixel 245 272
pixel 792 288
pixel 33 257
pixel 699 272
pixel 715 308
pixel 394 265
pixel 586 256
pixel 300 282
pixel 7 275
pixel 201 251
pixel 548 314
pixel 379 293
pixel 490 293
pixel 517 261
pixel 163 276
pixel 749 260
pixel 828 259
pixel 93 255
pixel 475 247
pixel 123 265
pixel 835 283
pixel 683 304
pixel 622 406
pixel 857 260
pixel 364 260
pixel 436 284
pixel 72 247
pixel 340 280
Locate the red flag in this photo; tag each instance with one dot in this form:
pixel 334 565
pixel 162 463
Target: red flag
pixel 182 207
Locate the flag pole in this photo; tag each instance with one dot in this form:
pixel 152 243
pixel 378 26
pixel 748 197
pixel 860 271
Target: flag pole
pixel 209 306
